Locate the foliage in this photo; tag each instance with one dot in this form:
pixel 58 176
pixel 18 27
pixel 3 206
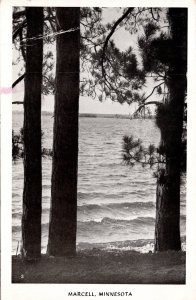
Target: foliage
pixel 20 43
pixel 134 152
pixel 109 73
pixel 157 52
pixel 123 78
pixel 18 146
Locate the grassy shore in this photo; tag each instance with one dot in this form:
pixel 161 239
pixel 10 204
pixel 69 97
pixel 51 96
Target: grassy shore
pixel 98 266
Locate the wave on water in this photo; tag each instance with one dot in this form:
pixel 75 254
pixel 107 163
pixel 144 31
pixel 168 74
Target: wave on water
pixel 115 203
pixel 108 221
pixel 122 211
pixel 17 228
pixel 46 186
pixel 132 205
pixel 104 195
pixel 16 195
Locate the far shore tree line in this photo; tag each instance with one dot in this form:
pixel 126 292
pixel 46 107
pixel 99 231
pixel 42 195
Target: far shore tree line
pixel 89 63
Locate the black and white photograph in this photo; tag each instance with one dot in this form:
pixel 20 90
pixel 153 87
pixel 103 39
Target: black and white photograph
pixel 99 108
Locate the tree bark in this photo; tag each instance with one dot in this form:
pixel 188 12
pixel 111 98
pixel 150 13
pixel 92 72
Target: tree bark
pixel 32 194
pixel 167 229
pixel 62 228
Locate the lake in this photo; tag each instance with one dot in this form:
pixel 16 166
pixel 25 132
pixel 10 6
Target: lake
pixel 116 203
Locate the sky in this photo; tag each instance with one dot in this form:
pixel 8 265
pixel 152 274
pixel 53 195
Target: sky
pixel 123 40
pixel 86 104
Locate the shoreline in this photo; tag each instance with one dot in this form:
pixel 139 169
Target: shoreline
pixel 97 266
pixel 142 246
pixel 99 115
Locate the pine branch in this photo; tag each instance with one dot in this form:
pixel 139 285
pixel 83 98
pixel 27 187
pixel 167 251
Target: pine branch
pixel 22 46
pixel 134 152
pixel 19 29
pixel 18 80
pixel 24 23
pixel 50 19
pixel 110 35
pixel 151 102
pixel 145 104
pixel 155 87
pixel 18 14
pixel 151 10
pixel 17 102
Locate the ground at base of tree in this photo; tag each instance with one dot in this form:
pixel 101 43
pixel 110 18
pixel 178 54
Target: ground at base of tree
pixel 91 266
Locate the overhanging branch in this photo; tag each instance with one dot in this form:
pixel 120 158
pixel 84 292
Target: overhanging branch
pixel 151 102
pixel 129 10
pixel 153 90
pixel 152 13
pixel 147 103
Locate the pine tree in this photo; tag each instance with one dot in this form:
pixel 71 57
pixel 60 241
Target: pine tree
pixel 32 194
pixel 62 227
pixel 164 58
pixel 166 55
pixel 170 122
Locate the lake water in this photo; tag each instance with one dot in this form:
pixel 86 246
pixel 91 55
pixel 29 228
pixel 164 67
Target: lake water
pixel 116 203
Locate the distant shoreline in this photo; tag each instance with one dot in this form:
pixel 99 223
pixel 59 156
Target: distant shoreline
pixel 91 115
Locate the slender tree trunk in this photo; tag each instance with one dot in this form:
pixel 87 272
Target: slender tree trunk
pixel 62 228
pixel 167 229
pixel 32 194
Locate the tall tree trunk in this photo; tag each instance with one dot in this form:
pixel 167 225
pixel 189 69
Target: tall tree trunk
pixel 62 228
pixel 167 229
pixel 32 194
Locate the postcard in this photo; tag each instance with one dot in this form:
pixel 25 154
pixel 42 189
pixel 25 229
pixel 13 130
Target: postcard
pixel 98 150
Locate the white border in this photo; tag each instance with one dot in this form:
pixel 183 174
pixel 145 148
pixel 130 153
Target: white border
pixel 51 291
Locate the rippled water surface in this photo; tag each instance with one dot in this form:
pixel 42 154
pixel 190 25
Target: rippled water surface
pixel 116 203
